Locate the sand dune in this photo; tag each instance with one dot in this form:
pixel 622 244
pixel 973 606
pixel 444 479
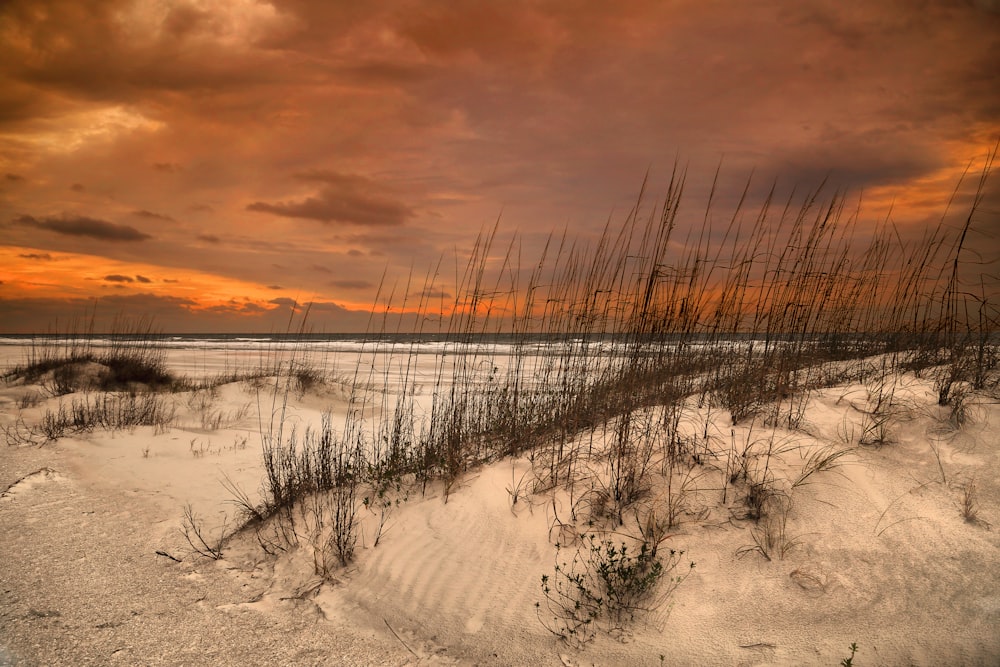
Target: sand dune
pixel 875 551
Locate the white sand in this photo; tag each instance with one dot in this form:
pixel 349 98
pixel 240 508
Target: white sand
pixel 882 555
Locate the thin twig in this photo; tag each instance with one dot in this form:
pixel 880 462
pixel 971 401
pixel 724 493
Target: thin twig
pixel 400 639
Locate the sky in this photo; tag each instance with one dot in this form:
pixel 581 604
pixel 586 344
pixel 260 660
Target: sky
pixel 211 163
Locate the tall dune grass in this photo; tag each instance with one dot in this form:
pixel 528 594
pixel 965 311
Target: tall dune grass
pixel 129 355
pixel 561 358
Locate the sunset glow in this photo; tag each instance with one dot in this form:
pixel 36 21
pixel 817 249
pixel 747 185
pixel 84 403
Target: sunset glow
pixel 60 275
pixel 211 163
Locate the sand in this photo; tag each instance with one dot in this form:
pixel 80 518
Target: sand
pixel 879 552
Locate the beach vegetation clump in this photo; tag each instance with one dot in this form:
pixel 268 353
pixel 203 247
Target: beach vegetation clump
pixel 200 541
pixel 201 403
pixel 849 660
pixel 820 459
pixel 770 536
pixel 112 411
pixel 129 357
pixel 607 585
pixel 306 377
pixel 969 504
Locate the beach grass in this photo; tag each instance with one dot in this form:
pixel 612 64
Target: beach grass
pixel 595 362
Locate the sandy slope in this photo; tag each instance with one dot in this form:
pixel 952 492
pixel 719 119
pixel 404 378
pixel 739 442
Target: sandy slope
pixel 881 556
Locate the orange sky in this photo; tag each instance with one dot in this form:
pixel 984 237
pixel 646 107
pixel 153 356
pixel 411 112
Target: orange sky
pixel 208 163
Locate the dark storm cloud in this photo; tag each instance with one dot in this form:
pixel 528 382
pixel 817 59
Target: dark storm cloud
pixel 183 20
pixel 88 53
pixel 992 6
pixel 70 225
pixel 18 102
pixel 847 162
pixel 344 198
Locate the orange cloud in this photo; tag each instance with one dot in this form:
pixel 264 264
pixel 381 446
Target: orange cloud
pixel 28 272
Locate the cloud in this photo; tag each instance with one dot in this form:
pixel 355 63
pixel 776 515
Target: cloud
pixel 550 112
pixel 850 162
pixel 169 313
pixel 40 256
pixel 77 187
pixel 119 278
pixel 37 314
pixel 992 6
pixel 350 284
pixel 149 215
pixel 449 31
pixel 331 177
pixel 330 308
pixel 433 294
pixel 386 72
pixel 102 50
pixel 14 178
pixel 234 308
pixel 143 279
pixel 285 301
pixel 184 20
pixel 344 198
pixel 84 226
pixel 252 308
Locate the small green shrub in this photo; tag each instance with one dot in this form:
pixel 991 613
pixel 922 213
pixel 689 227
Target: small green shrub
pixel 606 585
pixel 849 661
